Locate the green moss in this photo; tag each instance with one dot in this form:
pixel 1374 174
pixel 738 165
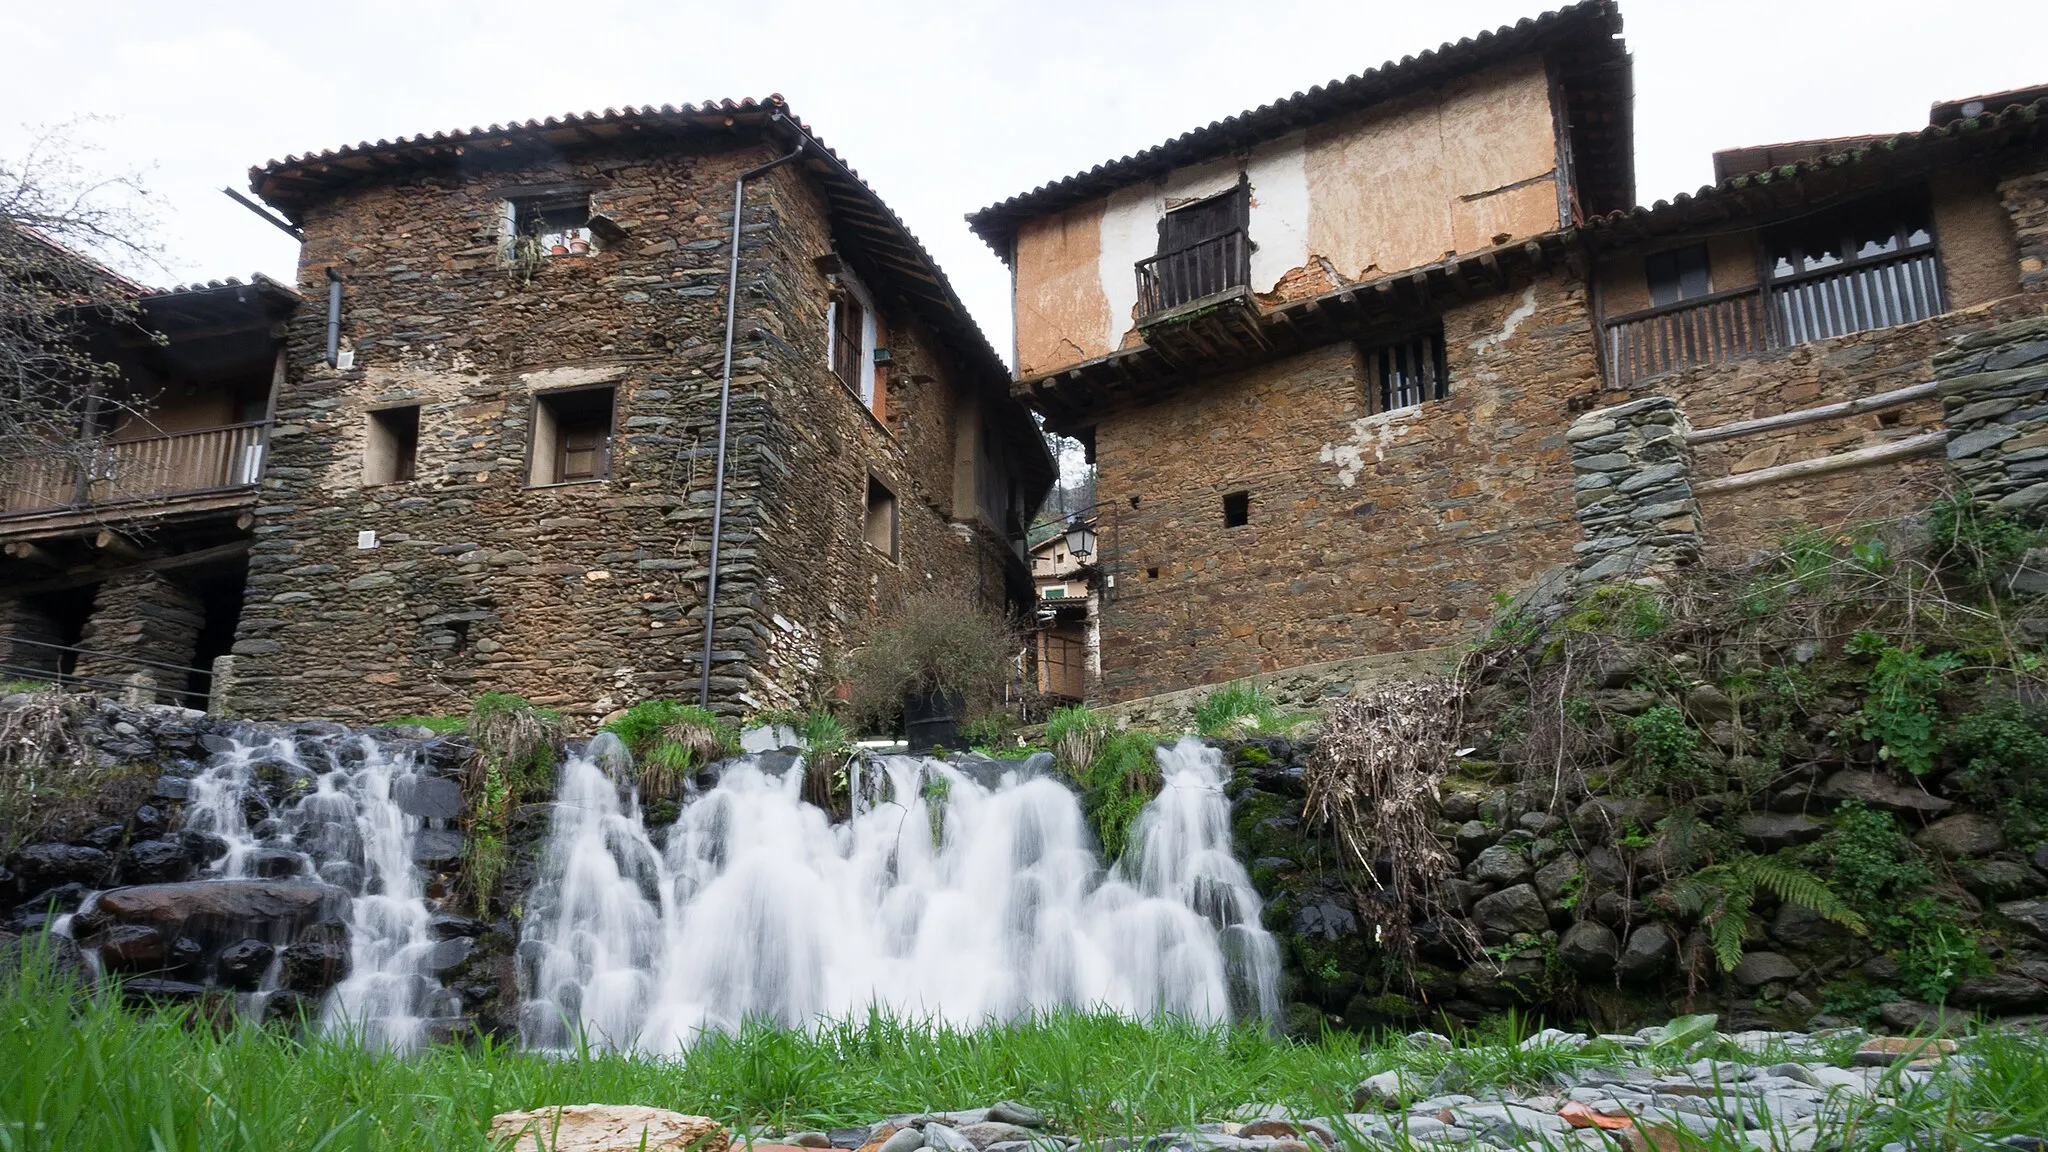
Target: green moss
pixel 1117 785
pixel 441 724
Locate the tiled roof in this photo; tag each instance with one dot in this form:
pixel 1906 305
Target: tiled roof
pixel 1871 162
pixel 861 217
pixel 1594 24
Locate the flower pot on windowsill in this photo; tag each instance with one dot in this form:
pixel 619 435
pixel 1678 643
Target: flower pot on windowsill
pixel 558 249
pixel 579 247
pixel 932 720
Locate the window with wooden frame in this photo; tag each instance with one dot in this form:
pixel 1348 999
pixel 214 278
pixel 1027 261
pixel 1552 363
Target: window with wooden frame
pixel 1871 265
pixel 1677 274
pixel 572 436
pixel 1405 373
pixel 850 321
pixel 879 524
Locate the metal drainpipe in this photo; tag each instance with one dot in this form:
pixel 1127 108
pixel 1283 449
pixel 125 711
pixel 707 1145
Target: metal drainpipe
pixel 732 293
pixel 333 317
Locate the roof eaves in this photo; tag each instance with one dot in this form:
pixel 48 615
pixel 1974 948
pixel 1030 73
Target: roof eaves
pixel 997 222
pixel 1903 143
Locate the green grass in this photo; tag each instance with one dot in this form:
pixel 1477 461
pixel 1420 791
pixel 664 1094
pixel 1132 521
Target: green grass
pixel 76 1072
pixel 10 687
pixel 1234 708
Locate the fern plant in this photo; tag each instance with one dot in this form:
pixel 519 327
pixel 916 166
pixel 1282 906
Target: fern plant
pixel 1721 895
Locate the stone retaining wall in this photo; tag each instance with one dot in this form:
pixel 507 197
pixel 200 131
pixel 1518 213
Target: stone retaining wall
pixel 1634 489
pixel 1994 395
pixel 1303 688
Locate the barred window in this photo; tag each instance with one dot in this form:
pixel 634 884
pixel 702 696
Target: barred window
pixel 1405 373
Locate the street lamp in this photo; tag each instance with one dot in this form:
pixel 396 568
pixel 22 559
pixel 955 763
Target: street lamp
pixel 1080 541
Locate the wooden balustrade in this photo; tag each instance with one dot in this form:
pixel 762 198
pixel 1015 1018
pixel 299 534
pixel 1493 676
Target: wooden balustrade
pixel 146 468
pixel 1200 270
pixel 1793 310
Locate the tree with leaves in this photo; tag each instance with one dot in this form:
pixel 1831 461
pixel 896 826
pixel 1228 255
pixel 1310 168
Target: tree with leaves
pixel 59 302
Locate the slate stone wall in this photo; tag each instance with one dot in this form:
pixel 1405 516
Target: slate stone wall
pixel 1366 533
pixel 1634 489
pixel 583 597
pixel 1994 391
pixel 141 616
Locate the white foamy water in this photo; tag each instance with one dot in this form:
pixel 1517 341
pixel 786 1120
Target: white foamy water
pixel 345 828
pixel 942 898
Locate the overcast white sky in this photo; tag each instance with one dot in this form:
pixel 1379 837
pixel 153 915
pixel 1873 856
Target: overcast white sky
pixel 943 106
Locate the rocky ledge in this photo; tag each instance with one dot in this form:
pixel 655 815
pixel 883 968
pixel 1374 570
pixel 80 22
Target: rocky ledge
pixel 1637 1092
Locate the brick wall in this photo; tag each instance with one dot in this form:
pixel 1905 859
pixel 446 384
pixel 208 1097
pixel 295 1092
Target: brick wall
pixel 585 597
pixel 1365 533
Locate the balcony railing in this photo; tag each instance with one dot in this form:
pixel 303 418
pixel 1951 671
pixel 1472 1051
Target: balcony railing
pixel 1185 275
pixel 1793 310
pixel 128 471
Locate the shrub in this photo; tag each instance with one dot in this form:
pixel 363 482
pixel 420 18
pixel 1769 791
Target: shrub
pixel 1975 541
pixel 937 644
pixel 513 763
pixel 1664 755
pixel 1900 706
pixel 1235 707
pixel 2005 765
pixel 670 739
pixel 1076 733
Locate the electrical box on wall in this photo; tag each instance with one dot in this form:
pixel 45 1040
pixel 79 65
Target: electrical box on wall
pixel 366 539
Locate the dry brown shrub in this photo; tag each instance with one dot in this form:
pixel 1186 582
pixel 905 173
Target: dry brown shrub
pixel 1374 781
pixel 43 755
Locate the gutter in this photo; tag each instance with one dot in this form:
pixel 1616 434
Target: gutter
pixel 732 291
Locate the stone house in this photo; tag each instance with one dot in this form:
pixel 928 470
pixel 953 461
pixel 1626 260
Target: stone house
pixel 122 556
pixel 1324 354
pixel 495 463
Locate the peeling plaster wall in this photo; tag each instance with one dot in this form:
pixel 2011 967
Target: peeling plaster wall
pixel 1459 168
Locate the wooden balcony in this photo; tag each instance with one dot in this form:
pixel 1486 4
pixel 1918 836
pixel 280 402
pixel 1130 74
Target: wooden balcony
pixel 134 477
pixel 1195 304
pixel 1790 310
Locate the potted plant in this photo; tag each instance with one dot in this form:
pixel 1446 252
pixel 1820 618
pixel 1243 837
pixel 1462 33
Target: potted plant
pixel 936 661
pixel 578 245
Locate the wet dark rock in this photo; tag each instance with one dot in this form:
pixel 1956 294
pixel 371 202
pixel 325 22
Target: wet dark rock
pixel 1771 831
pixel 202 848
pixel 1963 834
pixel 155 862
pixel 2002 879
pixel 449 955
pixel 241 965
pixel 1799 927
pixel 1508 911
pixel 1760 968
pixel 2030 915
pixel 145 990
pixel 1325 918
pixel 274 863
pixel 1647 953
pixel 2001 992
pixel 1499 865
pixel 149 820
pixel 223 909
pixel 437 846
pixel 447 926
pixel 314 965
pixel 1880 791
pixel 50 865
pixel 1590 948
pixel 1601 817
pixel 54 901
pixel 131 948
pixel 172 788
pixel 428 797
pixel 106 837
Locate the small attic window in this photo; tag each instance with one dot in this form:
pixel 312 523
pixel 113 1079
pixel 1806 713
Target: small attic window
pixel 553 227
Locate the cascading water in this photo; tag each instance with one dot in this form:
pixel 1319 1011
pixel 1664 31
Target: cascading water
pixel 270 815
pixel 945 897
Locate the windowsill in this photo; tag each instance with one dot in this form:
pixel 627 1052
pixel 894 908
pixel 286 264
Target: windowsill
pixel 1393 414
pixel 879 554
pixel 567 484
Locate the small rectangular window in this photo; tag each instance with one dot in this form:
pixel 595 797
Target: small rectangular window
pixel 1406 373
pixel 1679 274
pixel 879 524
pixel 391 449
pixel 1237 509
pixel 572 436
pixel 554 227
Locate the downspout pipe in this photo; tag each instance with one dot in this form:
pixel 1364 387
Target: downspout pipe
pixel 334 317
pixel 732 303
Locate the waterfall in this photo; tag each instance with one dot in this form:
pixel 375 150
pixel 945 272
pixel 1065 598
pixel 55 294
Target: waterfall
pixel 945 896
pixel 328 810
